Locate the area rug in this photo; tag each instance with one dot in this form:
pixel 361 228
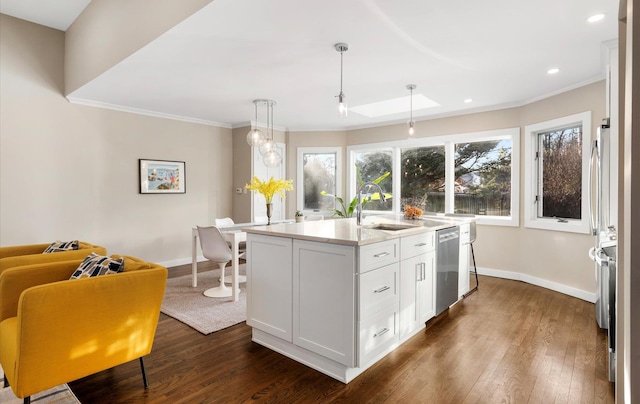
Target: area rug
pixel 204 314
pixel 57 395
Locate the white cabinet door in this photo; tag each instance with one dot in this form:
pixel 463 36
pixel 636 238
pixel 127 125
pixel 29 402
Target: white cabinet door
pixel 417 304
pixel 426 289
pixel 324 300
pixel 463 271
pixel 269 288
pixel 410 273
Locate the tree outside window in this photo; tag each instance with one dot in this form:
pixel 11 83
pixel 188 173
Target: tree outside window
pixel 560 173
pixel 483 178
pixel 371 165
pixel 423 178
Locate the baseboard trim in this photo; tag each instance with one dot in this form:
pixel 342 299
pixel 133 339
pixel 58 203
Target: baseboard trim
pixel 181 261
pixel 547 284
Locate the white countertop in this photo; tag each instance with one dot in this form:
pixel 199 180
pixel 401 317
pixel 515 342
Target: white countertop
pixel 347 232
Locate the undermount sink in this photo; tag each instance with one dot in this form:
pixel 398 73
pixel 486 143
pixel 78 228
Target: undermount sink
pixel 390 226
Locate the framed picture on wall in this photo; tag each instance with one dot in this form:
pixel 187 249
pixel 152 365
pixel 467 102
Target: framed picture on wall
pixel 162 177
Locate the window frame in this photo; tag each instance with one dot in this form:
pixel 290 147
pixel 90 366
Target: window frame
pixel 301 151
pixel 448 141
pixel 532 174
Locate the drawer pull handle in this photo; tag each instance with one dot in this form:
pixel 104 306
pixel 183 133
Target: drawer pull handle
pixel 420 244
pixel 382 289
pixel 381 333
pixel 382 254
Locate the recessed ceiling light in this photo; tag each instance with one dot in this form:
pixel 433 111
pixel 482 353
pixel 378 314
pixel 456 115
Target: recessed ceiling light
pixel 394 106
pixel 468 100
pixel 553 71
pixel 596 17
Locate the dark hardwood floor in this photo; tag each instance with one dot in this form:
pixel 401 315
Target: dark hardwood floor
pixel 508 342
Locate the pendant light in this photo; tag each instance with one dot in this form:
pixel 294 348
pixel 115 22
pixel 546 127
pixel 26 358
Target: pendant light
pixel 342 99
pixel 269 145
pixel 271 157
pixel 412 124
pixel 255 137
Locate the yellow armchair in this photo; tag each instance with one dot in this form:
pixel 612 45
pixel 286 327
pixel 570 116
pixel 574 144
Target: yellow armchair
pixel 20 255
pixel 54 330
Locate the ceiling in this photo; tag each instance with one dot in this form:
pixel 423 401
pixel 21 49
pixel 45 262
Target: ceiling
pixel 211 66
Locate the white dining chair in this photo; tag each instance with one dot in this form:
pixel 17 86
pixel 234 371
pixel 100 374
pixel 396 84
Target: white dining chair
pixel 313 218
pixel 221 223
pixel 224 222
pixel 215 249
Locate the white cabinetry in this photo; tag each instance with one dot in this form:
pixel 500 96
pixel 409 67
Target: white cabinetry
pixel 463 270
pixel 378 303
pixel 269 287
pixel 324 300
pixel 417 294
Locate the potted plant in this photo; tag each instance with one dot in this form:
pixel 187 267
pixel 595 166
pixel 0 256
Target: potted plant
pixel 299 216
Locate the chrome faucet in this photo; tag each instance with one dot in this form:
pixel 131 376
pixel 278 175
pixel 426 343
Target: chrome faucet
pixel 359 206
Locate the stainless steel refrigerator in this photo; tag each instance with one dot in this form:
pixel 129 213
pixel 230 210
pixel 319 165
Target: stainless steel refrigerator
pixel 603 173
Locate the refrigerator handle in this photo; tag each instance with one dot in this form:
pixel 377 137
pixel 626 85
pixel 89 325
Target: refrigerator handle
pixel 592 166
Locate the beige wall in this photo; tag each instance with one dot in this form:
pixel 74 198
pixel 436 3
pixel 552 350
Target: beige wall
pixel 69 171
pixel 108 31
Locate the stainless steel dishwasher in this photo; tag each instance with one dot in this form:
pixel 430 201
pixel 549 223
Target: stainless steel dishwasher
pixel 447 258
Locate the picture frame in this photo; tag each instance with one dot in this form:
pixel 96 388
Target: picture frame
pixel 162 176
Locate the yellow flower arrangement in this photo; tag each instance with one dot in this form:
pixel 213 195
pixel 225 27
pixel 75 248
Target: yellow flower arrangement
pixel 270 188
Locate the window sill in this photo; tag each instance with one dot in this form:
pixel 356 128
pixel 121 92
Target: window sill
pixel 572 226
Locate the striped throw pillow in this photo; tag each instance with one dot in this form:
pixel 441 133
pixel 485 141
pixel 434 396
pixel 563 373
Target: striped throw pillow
pixel 95 265
pixel 58 246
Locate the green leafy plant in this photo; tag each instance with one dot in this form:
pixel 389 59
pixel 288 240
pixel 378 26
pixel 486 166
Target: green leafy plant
pixel 299 213
pixel 348 210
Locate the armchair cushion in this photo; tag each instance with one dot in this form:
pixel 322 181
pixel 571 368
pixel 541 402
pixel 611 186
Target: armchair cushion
pixel 95 265
pixel 58 246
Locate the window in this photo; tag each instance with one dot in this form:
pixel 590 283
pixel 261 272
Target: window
pixel 423 178
pixel 556 175
pixel 483 178
pixel 320 172
pixel 474 173
pixel 371 166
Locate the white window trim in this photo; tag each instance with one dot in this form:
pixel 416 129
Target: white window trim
pixel 531 132
pixel 448 142
pixel 300 180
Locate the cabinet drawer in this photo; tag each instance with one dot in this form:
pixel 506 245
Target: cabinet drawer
pixel 412 246
pixel 379 254
pixel 378 289
pixel 378 333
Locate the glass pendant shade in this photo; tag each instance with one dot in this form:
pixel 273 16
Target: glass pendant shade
pixel 272 159
pixel 267 146
pixel 256 138
pixel 411 128
pixel 343 109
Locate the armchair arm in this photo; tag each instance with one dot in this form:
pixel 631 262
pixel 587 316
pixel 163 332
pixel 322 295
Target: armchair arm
pixel 13 251
pixel 82 326
pixel 15 280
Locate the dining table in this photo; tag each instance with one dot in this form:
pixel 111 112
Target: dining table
pixel 235 235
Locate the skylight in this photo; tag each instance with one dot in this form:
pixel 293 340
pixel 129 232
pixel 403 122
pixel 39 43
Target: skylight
pixel 394 106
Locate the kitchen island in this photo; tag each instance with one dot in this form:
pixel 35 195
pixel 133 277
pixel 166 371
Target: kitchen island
pixel 338 297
